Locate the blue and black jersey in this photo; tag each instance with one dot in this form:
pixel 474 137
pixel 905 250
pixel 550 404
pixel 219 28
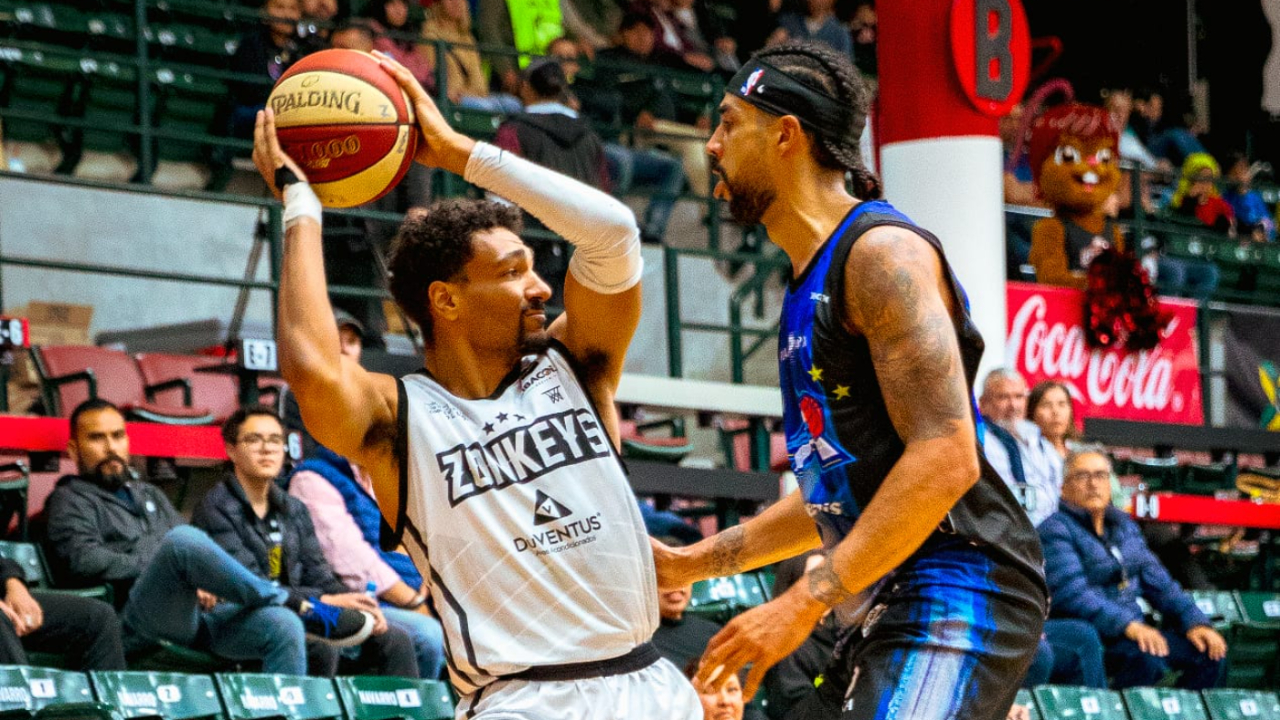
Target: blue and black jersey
pixel 840 439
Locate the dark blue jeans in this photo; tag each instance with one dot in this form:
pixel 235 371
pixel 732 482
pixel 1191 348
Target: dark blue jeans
pixel 1130 667
pixel 251 622
pixel 1070 653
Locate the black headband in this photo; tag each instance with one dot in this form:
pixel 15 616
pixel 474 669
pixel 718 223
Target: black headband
pixel 778 93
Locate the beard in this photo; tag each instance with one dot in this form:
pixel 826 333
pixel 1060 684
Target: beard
pixel 748 199
pixel 109 481
pixel 537 341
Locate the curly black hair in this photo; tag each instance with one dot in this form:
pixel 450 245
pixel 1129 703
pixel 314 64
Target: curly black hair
pixel 834 73
pixel 436 244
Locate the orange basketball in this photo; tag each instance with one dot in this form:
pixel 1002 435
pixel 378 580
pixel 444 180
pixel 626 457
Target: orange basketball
pixel 347 123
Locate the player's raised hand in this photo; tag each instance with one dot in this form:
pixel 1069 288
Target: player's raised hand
pixel 441 146
pixel 267 155
pixel 760 638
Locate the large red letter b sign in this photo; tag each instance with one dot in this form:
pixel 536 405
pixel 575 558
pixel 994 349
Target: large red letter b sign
pixel 991 49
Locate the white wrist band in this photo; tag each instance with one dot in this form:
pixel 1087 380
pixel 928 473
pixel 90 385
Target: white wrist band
pixel 300 201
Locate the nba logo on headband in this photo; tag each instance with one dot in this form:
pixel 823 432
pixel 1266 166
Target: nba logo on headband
pixel 752 79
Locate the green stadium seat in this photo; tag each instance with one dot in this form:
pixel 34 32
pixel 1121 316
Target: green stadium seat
pixel 29 556
pixel 1219 606
pixel 722 598
pixel 1252 653
pixel 390 698
pixel 167 696
pixel 38 82
pixel 1260 608
pixel 1207 479
pixel 1164 704
pixel 110 105
pixel 476 123
pixel 1241 705
pixel 26 692
pixel 250 696
pixel 15 481
pixel 1156 473
pixel 1025 699
pixel 1060 702
pixel 189 104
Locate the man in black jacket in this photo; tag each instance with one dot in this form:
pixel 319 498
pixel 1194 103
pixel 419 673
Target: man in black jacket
pixel 106 526
pixel 270 532
pixel 85 630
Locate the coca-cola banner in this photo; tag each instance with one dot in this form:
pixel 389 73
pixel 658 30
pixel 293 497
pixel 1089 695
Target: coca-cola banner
pixel 1252 354
pixel 1046 342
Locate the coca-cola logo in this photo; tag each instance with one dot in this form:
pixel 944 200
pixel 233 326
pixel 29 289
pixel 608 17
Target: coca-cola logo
pixel 1055 349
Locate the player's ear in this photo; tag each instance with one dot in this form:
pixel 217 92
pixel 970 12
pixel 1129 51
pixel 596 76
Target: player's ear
pixel 442 298
pixel 790 134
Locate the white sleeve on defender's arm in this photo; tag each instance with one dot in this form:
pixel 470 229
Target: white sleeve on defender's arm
pixel 606 257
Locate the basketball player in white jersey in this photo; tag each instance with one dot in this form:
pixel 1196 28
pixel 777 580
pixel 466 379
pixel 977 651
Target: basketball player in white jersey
pixel 497 461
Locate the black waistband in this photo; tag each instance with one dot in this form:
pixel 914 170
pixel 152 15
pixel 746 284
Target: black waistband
pixel 640 657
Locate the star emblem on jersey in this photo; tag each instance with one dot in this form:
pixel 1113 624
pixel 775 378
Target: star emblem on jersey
pixel 815 372
pixel 502 417
pixel 841 392
pixel 488 428
pixel 547 509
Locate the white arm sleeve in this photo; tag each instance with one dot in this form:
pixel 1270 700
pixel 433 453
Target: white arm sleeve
pixel 603 231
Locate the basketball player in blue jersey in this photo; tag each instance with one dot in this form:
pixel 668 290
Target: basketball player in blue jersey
pixel 929 562
pixel 497 461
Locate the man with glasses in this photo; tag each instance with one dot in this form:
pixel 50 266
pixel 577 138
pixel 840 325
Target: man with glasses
pixel 251 517
pixel 1098 565
pixel 106 525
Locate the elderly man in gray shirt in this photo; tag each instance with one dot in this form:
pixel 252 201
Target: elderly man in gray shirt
pixel 1016 449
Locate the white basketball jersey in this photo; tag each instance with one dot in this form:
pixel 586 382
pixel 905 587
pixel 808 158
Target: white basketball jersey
pixel 518 512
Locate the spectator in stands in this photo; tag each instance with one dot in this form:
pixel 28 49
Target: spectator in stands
pixel 467 82
pixel 315 30
pixel 271 534
pixel 1019 189
pixel 85 630
pixel 549 131
pixel 600 17
pixel 354 34
pixel 1049 407
pixel 264 52
pixel 818 23
pixel 719 703
pixel 1097 566
pixel 397 39
pixel 755 22
pixel 863 29
pixel 529 26
pixel 1197 199
pixel 1119 101
pixel 1166 140
pixel 105 526
pixel 645 103
pixel 348 523
pixel 1028 463
pixel 1253 218
pixel 678 40
pixel 680 637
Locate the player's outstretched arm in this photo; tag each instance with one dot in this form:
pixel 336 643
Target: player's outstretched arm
pixel 782 531
pixel 602 294
pixel 345 407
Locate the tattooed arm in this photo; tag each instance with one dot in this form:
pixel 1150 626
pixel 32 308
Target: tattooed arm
pixel 782 531
pixel 897 297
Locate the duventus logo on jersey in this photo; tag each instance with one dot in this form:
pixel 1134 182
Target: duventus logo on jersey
pixel 523 453
pixel 565 535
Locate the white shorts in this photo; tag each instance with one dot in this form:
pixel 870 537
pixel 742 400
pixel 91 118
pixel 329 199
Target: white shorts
pixel 658 692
